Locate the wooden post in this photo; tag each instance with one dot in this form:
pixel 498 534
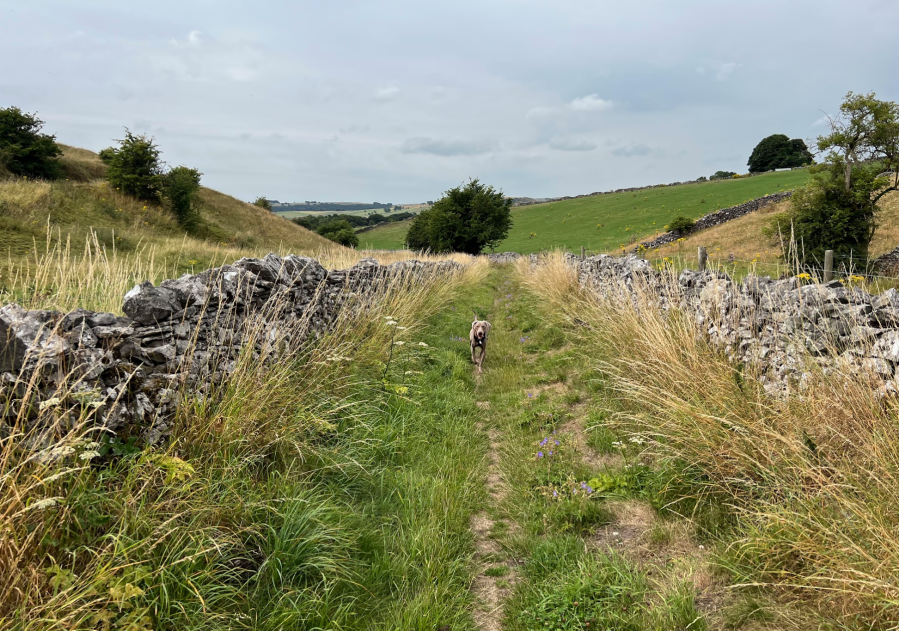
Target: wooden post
pixel 828 266
pixel 703 257
pixel 583 254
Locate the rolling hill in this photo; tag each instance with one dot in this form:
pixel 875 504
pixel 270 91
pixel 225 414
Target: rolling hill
pixel 83 203
pixel 607 222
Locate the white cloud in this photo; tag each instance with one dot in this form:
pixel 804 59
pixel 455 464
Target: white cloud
pixel 194 38
pixel 725 70
pixel 387 94
pixel 571 144
pixel 590 103
pixel 539 112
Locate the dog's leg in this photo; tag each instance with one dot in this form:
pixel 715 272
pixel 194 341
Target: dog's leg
pixel 473 360
pixel 483 355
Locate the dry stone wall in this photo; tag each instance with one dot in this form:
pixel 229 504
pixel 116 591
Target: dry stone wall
pixel 718 217
pixel 187 333
pixel 775 325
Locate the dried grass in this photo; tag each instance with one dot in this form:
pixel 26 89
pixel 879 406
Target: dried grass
pixel 815 479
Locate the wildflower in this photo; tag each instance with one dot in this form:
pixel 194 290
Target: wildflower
pixel 88 455
pixel 539 454
pixel 617 443
pixel 398 343
pixel 423 345
pixel 390 323
pixel 550 452
pixel 530 396
pixel 615 534
pixel 401 328
pixel 555 493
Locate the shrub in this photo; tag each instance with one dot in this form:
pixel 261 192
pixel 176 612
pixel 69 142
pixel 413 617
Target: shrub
pixel 106 155
pixel 263 203
pixel 721 175
pixel 23 149
pixel 340 231
pixel 681 224
pixel 135 169
pixel 467 219
pixel 180 187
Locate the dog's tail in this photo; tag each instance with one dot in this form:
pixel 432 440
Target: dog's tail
pixel 476 318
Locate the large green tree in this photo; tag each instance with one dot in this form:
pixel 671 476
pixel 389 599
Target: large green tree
pixel 779 152
pixel 837 210
pixel 467 219
pixel 24 150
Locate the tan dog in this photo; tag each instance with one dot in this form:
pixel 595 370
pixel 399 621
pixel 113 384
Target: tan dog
pixel 478 339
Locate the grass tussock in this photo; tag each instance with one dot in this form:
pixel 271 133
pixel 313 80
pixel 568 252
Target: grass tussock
pixel 811 483
pixel 312 488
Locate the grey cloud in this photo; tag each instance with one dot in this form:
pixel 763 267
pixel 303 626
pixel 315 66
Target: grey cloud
pixel 520 112
pixel 445 147
pixel 631 151
pixel 571 144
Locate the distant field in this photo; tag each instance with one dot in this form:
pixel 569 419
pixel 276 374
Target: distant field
pixel 290 214
pixel 388 237
pixel 606 222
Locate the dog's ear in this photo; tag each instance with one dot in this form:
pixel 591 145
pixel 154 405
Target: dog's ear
pixel 489 326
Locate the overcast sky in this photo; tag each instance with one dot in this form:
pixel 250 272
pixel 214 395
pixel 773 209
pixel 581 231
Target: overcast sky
pixel 396 101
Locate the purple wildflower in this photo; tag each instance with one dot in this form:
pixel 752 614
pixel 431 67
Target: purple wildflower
pixel 539 454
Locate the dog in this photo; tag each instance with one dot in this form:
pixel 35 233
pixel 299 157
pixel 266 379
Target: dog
pixel 478 339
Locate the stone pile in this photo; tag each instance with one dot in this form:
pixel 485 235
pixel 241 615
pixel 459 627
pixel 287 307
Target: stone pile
pixel 776 325
pixel 186 333
pixel 503 257
pixel 717 218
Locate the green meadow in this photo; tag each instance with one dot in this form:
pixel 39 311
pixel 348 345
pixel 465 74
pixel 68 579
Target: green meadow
pixel 606 222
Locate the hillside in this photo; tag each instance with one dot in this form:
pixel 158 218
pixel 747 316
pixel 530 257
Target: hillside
pixel 745 240
pixel 83 203
pixel 605 222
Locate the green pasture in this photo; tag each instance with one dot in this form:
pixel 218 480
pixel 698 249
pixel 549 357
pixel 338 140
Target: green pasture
pixel 606 222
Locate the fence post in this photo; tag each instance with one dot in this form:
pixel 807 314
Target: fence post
pixel 703 257
pixel 583 254
pixel 828 266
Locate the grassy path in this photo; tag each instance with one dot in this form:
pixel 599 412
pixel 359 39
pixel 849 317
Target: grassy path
pixel 569 535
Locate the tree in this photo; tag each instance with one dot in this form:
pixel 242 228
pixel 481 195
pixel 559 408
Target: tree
pixel 467 219
pixel 779 152
pixel 838 208
pixel 24 150
pixel 181 186
pixel 339 231
pixel 263 203
pixel 722 175
pixel 135 169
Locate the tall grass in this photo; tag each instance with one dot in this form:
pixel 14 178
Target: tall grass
pixel 63 275
pixel 256 513
pixel 813 480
